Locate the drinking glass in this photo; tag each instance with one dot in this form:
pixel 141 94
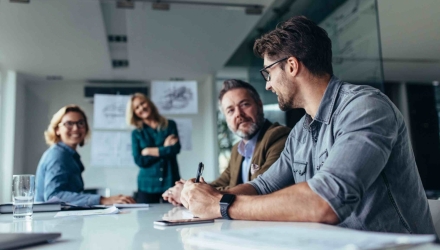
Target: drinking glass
pixel 23 189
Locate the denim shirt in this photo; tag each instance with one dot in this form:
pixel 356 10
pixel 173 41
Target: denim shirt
pixel 356 155
pixel 59 176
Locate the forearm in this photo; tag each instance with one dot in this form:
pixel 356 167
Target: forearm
pixel 74 198
pixel 294 203
pixel 151 151
pixel 243 189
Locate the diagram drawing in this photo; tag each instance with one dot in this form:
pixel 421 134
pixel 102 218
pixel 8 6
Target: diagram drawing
pixel 175 97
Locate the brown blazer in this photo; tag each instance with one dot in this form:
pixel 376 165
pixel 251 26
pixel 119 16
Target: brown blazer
pixel 270 144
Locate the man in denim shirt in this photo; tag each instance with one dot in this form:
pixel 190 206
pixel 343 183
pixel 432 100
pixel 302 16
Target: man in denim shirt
pixel 350 155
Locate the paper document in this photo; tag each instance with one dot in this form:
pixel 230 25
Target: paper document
pixel 138 205
pixel 298 237
pixel 110 210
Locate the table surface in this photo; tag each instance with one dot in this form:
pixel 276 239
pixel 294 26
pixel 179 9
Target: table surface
pixel 131 229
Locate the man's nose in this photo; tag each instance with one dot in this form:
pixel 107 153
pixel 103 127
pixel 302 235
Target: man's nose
pixel 268 86
pixel 238 113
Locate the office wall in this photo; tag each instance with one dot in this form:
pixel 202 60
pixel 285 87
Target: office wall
pixel 11 129
pixel 43 99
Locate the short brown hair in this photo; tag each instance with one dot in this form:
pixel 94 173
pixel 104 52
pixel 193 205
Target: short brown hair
pixel 238 84
pixel 301 38
pixel 133 119
pixel 50 134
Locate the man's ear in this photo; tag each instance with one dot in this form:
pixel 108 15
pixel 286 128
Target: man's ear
pixel 293 66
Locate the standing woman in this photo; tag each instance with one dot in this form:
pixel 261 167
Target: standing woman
pixel 155 145
pixel 60 168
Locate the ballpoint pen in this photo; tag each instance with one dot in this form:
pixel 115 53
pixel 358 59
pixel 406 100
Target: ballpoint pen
pixel 199 172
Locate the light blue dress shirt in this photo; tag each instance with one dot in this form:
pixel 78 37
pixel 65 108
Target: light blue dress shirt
pixel 59 176
pixel 247 150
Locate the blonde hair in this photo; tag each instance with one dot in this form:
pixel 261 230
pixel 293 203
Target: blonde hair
pixel 50 134
pixel 133 119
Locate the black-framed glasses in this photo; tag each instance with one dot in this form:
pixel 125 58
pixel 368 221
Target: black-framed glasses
pixel 265 73
pixel 69 124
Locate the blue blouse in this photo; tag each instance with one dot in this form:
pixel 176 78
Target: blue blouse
pixel 59 176
pixel 156 174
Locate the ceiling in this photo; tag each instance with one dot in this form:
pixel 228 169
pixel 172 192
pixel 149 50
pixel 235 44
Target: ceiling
pixel 68 38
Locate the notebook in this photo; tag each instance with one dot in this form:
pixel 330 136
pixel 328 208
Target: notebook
pixel 37 207
pixel 20 240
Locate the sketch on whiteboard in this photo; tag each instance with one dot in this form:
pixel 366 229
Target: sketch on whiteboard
pixel 109 111
pixel 184 126
pixel 111 149
pixel 175 97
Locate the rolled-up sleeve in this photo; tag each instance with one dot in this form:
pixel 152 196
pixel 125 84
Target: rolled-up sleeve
pixel 364 138
pixel 279 175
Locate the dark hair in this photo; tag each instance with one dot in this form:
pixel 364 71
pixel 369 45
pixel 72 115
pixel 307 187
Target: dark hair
pixel 301 38
pixel 238 84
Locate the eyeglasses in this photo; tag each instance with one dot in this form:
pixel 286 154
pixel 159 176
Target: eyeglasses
pixel 69 124
pixel 265 73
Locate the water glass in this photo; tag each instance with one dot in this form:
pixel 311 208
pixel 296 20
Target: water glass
pixel 23 190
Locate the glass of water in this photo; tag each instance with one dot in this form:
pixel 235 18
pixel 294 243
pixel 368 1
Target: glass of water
pixel 23 190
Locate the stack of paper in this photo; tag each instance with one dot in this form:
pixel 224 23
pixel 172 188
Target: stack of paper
pixel 294 237
pixel 110 210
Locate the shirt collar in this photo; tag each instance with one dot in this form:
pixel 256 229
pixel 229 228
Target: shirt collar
pixel 68 149
pixel 247 149
pixel 325 109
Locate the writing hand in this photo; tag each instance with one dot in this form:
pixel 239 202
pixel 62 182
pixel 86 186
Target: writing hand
pixel 201 199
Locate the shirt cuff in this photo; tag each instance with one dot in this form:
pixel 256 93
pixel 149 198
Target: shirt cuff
pixel 94 199
pixel 328 189
pixel 255 185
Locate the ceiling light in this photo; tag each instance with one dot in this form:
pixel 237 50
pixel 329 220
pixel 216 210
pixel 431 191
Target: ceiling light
pixel 19 1
pixel 254 10
pixel 160 6
pixel 125 4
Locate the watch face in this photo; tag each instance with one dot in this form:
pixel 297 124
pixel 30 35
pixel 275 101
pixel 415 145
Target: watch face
pixel 227 199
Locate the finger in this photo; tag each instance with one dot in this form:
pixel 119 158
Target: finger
pixel 202 180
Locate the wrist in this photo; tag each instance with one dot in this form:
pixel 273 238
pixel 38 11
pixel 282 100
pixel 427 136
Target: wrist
pixel 225 203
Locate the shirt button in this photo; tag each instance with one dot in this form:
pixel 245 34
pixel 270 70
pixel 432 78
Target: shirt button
pixel 161 169
pixel 160 179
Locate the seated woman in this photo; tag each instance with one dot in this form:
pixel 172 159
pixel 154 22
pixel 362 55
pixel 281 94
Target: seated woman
pixel 59 170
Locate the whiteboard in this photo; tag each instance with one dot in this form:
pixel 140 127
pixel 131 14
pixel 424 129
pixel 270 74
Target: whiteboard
pixel 173 97
pixel 109 111
pixel 111 149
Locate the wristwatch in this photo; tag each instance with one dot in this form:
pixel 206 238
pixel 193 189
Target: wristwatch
pixel 225 202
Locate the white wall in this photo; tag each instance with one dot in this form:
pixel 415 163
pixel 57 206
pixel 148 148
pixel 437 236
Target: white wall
pixel 43 99
pixel 12 128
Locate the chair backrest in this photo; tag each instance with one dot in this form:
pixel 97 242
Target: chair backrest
pixel 434 206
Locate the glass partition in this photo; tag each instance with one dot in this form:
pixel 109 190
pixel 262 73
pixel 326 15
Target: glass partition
pixel 353 28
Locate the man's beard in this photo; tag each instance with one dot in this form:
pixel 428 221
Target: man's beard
pixel 288 103
pixel 255 127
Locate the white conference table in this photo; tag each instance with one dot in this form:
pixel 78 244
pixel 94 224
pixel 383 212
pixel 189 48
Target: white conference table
pixel 131 229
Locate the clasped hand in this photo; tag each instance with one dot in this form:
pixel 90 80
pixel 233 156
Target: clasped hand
pixel 170 140
pixel 201 199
